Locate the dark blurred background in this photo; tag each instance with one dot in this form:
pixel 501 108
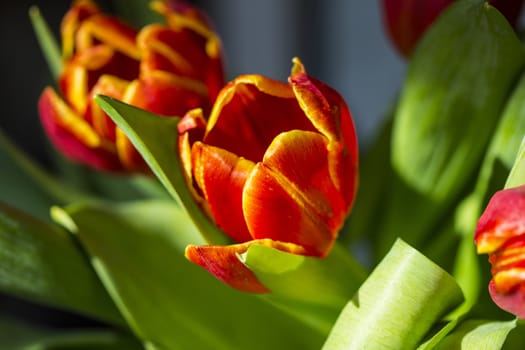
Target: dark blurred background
pixel 340 41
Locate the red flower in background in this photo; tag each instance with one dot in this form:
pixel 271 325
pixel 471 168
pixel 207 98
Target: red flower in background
pixel 406 21
pixel 275 165
pixel 166 69
pixel 501 233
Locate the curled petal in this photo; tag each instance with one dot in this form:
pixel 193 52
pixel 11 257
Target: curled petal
pixel 73 135
pixel 502 219
pixel 223 262
pixel 221 176
pixel 290 197
pixel 253 110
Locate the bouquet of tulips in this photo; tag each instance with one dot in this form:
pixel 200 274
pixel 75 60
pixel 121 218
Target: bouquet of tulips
pixel 187 212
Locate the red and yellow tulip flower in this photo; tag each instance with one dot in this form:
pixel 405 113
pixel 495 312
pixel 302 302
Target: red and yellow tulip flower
pixel 274 165
pixel 166 69
pixel 406 21
pixel 501 233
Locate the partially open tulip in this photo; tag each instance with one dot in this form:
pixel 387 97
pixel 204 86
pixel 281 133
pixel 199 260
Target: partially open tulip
pixel 501 233
pixel 167 69
pixel 406 21
pixel 275 165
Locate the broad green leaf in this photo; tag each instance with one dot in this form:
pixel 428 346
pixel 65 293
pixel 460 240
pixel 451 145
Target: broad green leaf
pixel 497 162
pixel 42 263
pixel 478 335
pixel 47 41
pixel 137 250
pixel 155 138
pixel 312 289
pixel 397 305
pixel 458 80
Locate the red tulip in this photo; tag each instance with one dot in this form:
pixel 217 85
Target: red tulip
pixel 166 69
pixel 407 20
pixel 275 165
pixel 501 233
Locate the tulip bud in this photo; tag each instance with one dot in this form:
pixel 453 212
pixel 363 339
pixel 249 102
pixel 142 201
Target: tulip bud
pixel 407 21
pixel 501 233
pixel 166 69
pixel 274 165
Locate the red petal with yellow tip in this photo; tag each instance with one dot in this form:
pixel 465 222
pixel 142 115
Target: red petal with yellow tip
pixel 109 31
pixel 190 128
pixel 223 262
pixel 246 115
pixel 290 197
pixel 167 95
pixel 79 12
pixel 502 219
pixel 221 176
pixel 79 143
pixel 178 52
pixel 329 113
pixel 111 86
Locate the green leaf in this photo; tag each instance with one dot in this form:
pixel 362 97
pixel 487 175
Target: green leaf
pixel 397 305
pixel 458 81
pixel 47 42
pixel 498 160
pixel 517 173
pixel 137 249
pixel 42 263
pixel 312 289
pixel 478 335
pixel 86 340
pixel 155 138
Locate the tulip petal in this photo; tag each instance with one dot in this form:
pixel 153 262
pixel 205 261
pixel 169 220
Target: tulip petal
pixel 251 111
pixel 328 112
pixel 72 135
pixel 221 176
pixel 167 94
pixel 190 128
pixel 80 10
pixel 290 197
pixel 502 219
pixel 111 86
pixel 192 35
pixel 513 302
pixel 110 31
pixel 223 262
